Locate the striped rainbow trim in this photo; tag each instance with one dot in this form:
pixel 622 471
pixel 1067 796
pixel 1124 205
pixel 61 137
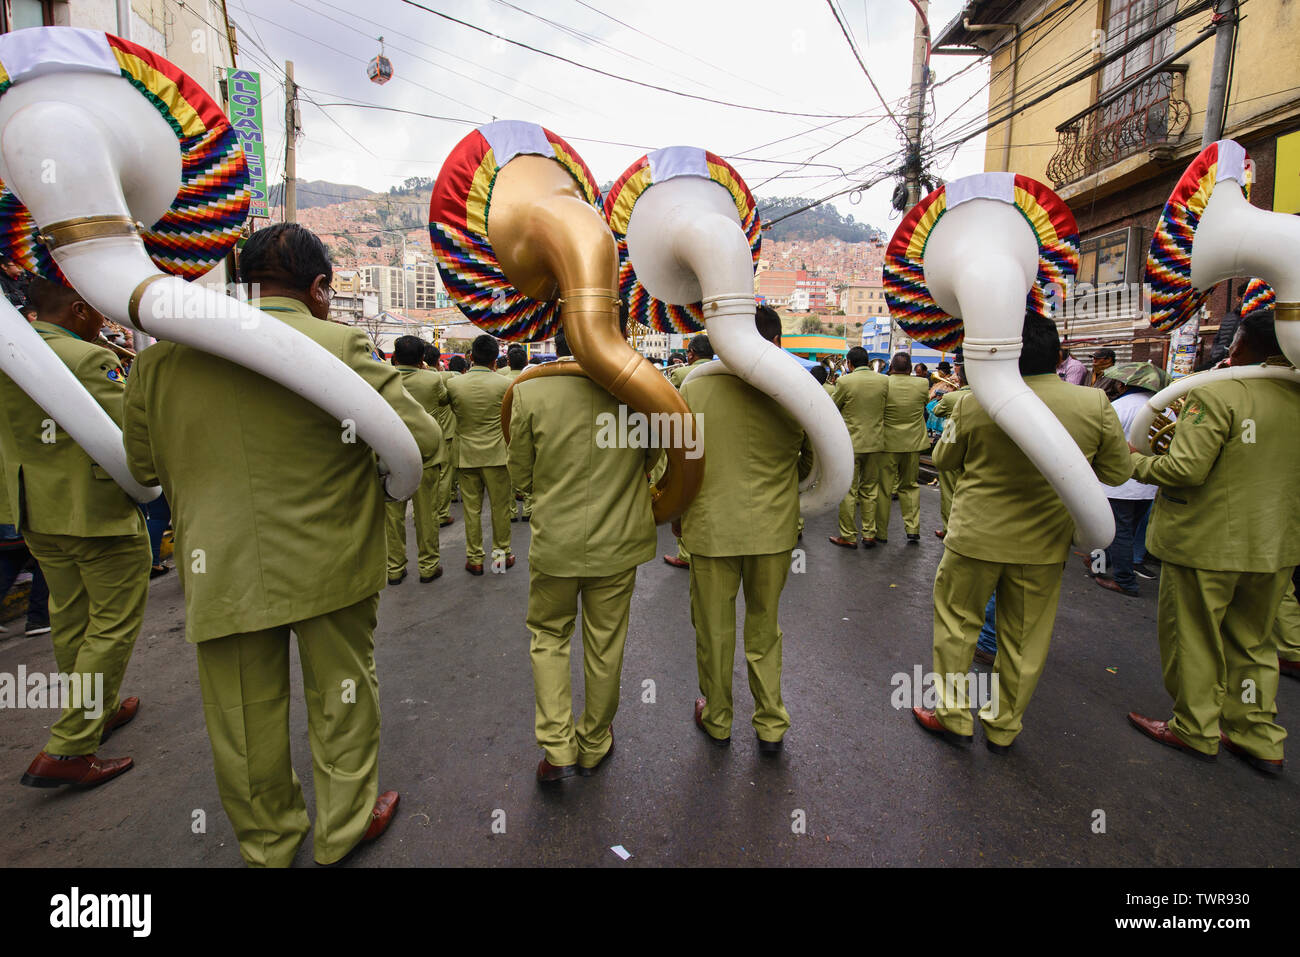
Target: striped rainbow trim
pixel 909 299
pixel 658 167
pixel 207 216
pixel 458 227
pixel 1169 260
pixel 1258 296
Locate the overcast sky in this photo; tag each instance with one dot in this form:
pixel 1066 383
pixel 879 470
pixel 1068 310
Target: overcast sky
pixel 778 54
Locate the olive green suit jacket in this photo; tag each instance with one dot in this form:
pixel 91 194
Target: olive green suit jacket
pixel 1003 510
pixel 905 401
pixel 475 397
pixel 943 408
pixel 427 388
pixel 860 397
pixel 591 504
pixel 756 454
pixel 1230 484
pixel 54 487
pixel 278 508
pixel 446 418
pixel 678 375
pixel 512 374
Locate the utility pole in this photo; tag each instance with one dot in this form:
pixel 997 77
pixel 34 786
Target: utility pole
pixel 1225 15
pixel 916 105
pixel 290 152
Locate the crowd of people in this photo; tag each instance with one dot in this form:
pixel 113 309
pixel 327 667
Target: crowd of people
pixel 271 545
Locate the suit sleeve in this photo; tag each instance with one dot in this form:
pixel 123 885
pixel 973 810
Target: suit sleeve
pixel 1112 463
pixel 805 457
pixel 840 397
pixel 523 452
pixel 1204 427
pixel 950 451
pixel 387 381
pixel 135 425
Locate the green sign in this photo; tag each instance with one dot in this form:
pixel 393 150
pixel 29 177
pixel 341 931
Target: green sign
pixel 244 92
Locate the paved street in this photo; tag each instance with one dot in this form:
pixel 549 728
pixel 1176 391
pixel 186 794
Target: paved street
pixel 872 787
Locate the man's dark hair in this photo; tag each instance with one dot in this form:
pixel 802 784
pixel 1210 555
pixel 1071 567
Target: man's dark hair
pixel 819 373
pixel 1041 345
pixel 287 254
pixel 562 346
pixel 1259 334
pixel 902 362
pixel 517 356
pixel 408 351
pixel 859 357
pixel 483 350
pixel 52 298
pixel 1104 354
pixel 768 322
pixel 457 364
pixel 432 356
pixel 700 347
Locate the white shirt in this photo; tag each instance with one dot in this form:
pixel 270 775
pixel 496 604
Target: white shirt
pixel 1126 407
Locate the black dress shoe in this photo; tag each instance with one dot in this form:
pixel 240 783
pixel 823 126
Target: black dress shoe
pixel 1263 765
pixel 997 748
pixel 769 747
pixel 588 772
pixel 548 773
pixel 927 719
pixel 868 543
pixel 914 538
pixel 398 580
pixel 437 573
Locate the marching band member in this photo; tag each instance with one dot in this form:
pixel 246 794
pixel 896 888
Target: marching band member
pixel 740 530
pixel 88 536
pixel 279 527
pixel 698 351
pixel 903 439
pixel 1226 527
pixel 948 477
pixel 860 396
pixel 1286 632
pixel 593 526
pixel 1010 534
pixel 427 389
pixel 517 359
pixel 475 398
pixel 447 422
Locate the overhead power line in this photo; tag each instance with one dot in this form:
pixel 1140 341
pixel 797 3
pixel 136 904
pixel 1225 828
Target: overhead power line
pixel 857 56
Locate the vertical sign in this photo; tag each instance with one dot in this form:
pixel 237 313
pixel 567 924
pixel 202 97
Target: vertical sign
pixel 245 91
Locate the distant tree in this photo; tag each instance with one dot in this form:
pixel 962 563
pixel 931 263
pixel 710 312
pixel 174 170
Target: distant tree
pixel 810 326
pixel 374 241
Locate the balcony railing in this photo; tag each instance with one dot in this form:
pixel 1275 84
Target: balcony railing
pixel 1150 114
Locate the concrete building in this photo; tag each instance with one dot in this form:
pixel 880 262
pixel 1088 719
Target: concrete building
pixel 864 300
pixel 1114 144
pixel 389 283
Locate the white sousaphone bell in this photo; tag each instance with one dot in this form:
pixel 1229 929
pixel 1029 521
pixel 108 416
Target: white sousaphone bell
pixel 1209 232
pixel 962 268
pixel 89 161
pixel 688 259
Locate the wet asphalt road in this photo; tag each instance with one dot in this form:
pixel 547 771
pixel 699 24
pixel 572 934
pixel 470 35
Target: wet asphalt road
pixel 866 784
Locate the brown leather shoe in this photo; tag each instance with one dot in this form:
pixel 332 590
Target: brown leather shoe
pixel 1111 585
pixel 381 816
pixel 927 719
pixel 1263 765
pixel 446 521
pixel 1160 731
pixel 82 772
pixel 474 569
pixel 588 772
pixel 126 711
pixel 676 562
pixel 940 532
pixel 843 542
pixel 699 723
pixel 1289 668
pixel 548 773
pixel 510 561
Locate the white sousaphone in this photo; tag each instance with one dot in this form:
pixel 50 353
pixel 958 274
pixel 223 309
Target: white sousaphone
pixel 963 267
pixel 98 138
pixel 687 230
pixel 1209 232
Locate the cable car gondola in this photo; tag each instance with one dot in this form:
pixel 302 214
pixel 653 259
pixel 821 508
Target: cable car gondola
pixel 380 69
